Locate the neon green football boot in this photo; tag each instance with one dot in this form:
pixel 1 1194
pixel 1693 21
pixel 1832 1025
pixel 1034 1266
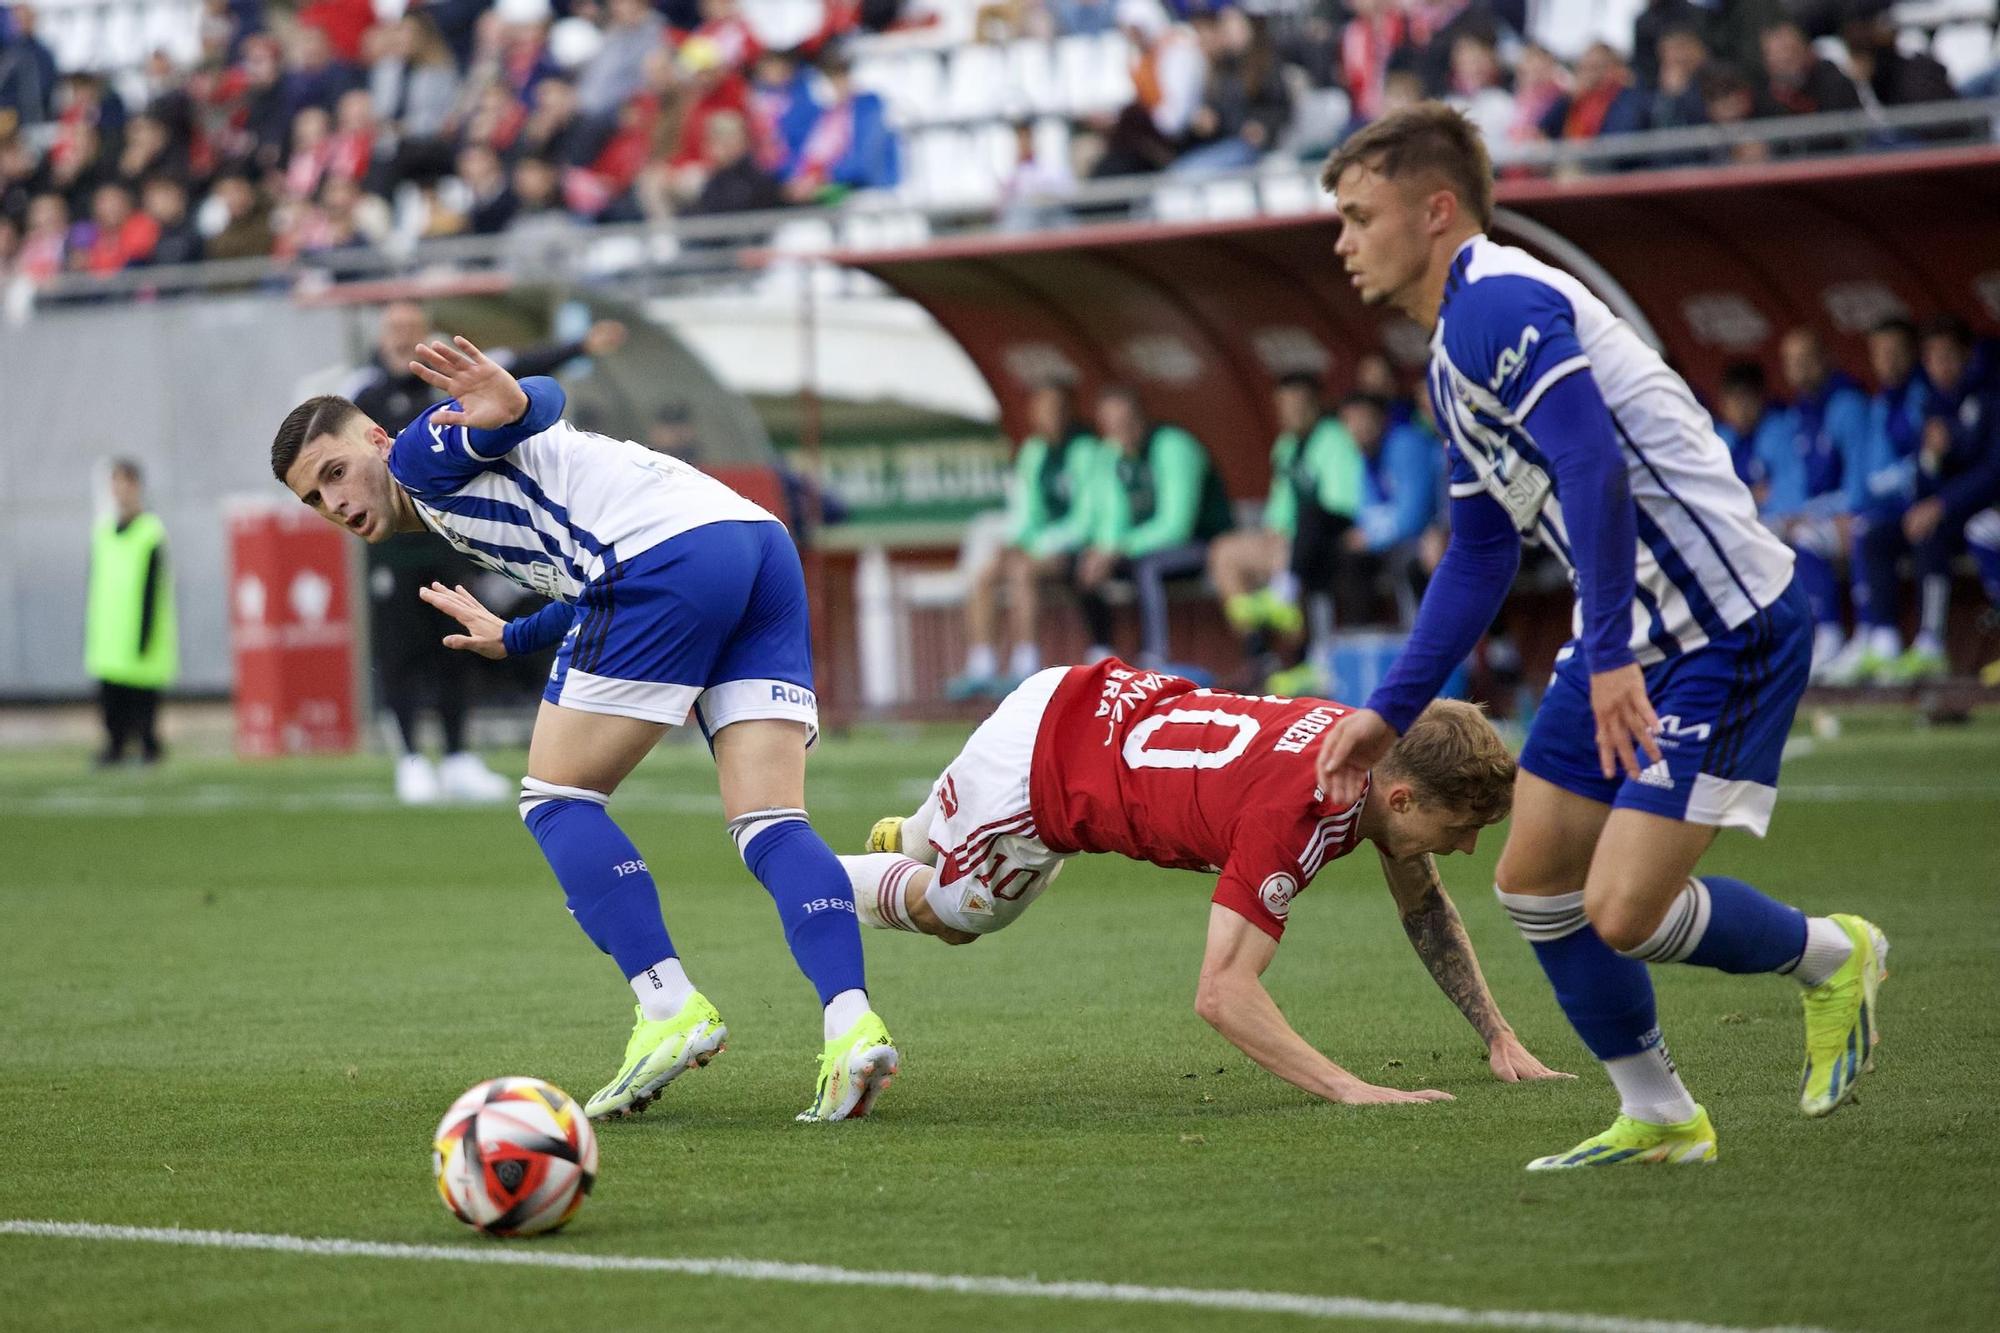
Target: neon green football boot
pixel 1243 612
pixel 1302 681
pixel 853 1071
pixel 1840 1020
pixel 887 834
pixel 1690 1143
pixel 660 1051
pixel 1277 614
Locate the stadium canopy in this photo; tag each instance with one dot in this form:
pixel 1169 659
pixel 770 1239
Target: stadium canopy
pixel 1712 264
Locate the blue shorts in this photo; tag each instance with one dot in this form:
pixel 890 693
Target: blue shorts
pixel 1724 708
pixel 713 620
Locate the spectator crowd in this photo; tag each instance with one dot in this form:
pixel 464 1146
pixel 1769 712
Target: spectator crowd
pixel 302 132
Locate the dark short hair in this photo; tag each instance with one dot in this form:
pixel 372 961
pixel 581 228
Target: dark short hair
pixel 1947 326
pixel 1428 138
pixel 1744 377
pixel 1897 324
pixel 1359 399
pixel 327 414
pixel 129 469
pixel 1122 391
pixel 1301 379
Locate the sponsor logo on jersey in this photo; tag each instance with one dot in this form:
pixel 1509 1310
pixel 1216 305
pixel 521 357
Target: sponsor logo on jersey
pixel 1277 893
pixel 792 694
pixel 1673 731
pixel 1513 358
pixel 1124 693
pixel 948 798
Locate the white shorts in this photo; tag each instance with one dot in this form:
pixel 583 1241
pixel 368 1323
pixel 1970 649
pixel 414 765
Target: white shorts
pixel 990 864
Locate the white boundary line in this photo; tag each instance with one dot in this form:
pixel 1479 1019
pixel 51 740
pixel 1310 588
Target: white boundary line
pixel 759 1270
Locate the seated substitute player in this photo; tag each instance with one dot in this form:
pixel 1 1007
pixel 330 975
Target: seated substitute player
pixel 672 594
pixel 1564 428
pixel 1111 758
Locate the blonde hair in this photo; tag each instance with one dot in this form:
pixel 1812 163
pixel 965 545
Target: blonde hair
pixel 1455 759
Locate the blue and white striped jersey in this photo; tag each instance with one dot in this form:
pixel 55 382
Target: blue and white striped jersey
pixel 555 508
pixel 1510 327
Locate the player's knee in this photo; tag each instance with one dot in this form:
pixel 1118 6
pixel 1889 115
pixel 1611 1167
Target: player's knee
pixel 1621 922
pixel 746 829
pixel 540 799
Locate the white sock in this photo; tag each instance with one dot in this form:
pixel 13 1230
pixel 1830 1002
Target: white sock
pixel 880 882
pixel 1884 641
pixel 981 660
pixel 846 1009
pixel 1827 949
pixel 1934 603
pixel 1284 586
pixel 1648 1087
pixel 662 989
pixel 1025 660
pixel 1928 644
pixel 1827 643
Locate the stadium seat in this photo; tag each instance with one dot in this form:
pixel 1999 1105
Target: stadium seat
pixel 976 82
pixel 1178 203
pixel 1287 192
pixel 1966 50
pixel 1031 78
pixel 1229 199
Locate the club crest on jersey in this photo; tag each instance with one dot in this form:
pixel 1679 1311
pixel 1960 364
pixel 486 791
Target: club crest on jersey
pixel 1277 893
pixel 948 798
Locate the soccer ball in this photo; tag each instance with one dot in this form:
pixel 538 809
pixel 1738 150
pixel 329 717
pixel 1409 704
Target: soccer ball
pixel 514 1157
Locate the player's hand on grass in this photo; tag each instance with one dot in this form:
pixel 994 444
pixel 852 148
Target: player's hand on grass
pixel 1361 741
pixel 488 396
pixel 482 628
pixel 1358 1093
pixel 1626 723
pixel 1511 1062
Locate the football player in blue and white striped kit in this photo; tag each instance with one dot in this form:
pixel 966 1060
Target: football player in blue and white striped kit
pixel 672 595
pixel 1668 711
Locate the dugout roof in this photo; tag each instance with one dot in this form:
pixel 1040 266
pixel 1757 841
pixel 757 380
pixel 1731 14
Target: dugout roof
pixel 1716 263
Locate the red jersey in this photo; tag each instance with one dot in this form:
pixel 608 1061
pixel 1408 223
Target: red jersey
pixel 1152 767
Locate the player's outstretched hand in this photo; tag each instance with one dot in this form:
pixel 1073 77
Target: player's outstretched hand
pixel 488 397
pixel 1368 1094
pixel 482 627
pixel 1511 1062
pixel 1626 723
pixel 1361 741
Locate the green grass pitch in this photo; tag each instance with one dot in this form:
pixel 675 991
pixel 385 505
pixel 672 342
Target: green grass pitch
pixel 239 997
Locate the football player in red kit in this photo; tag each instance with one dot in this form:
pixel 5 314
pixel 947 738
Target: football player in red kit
pixel 1113 758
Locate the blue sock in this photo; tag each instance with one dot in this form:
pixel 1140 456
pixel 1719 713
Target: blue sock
pixel 1725 924
pixel 1815 575
pixel 1747 932
pixel 1607 998
pixel 815 901
pixel 610 892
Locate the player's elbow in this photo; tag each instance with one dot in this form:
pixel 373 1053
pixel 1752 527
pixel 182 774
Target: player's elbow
pixel 1212 998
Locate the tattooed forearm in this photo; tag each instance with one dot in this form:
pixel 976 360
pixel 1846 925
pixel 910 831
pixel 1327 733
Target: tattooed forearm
pixel 1439 938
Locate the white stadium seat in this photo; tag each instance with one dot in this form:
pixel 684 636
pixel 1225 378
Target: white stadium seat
pixel 1964 49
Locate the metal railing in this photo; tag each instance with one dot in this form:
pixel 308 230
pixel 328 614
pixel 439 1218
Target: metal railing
pixel 728 251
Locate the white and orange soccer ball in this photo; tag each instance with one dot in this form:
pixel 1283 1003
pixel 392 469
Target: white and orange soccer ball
pixel 514 1157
